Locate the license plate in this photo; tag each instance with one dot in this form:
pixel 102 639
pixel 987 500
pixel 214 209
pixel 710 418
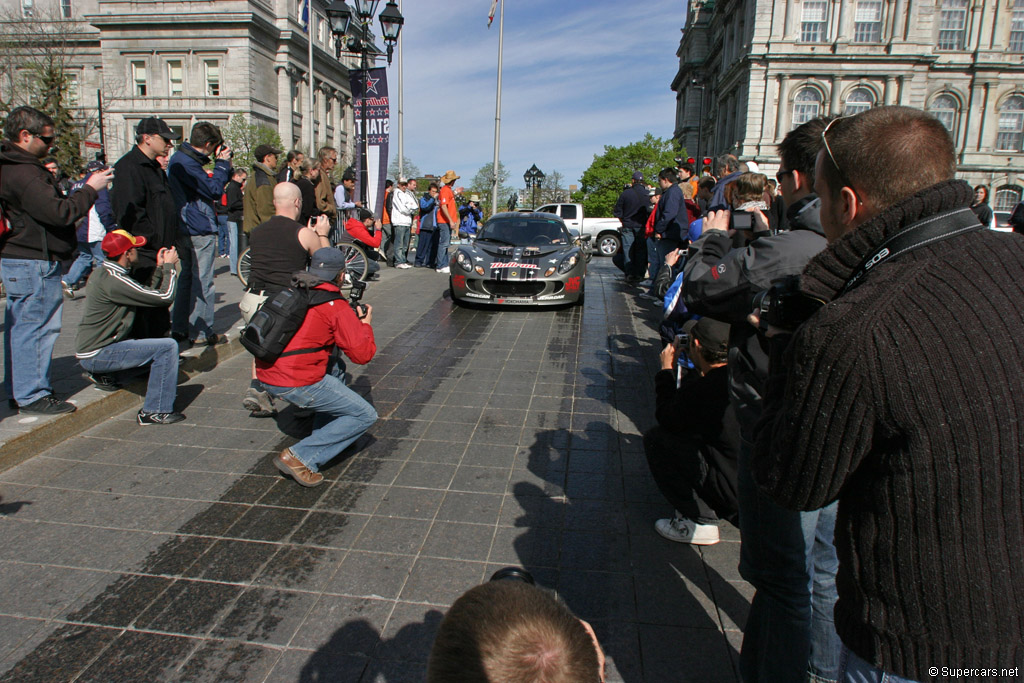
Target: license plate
pixel 515 301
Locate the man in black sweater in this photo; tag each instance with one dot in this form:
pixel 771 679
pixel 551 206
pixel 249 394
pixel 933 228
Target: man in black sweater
pixel 632 208
pixel 692 452
pixel 901 398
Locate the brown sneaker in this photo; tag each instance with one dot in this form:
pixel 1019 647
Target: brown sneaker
pixel 293 467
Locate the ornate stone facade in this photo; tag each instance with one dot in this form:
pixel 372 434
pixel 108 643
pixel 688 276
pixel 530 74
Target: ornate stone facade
pixel 764 67
pixel 188 61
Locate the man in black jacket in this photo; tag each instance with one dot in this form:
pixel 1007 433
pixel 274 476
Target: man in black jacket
pixel 632 208
pixel 901 397
pixel 143 206
pixel 235 200
pixel 670 226
pixel 787 556
pixel 692 452
pixel 42 235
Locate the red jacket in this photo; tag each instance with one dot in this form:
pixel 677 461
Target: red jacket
pixel 358 231
pixel 331 324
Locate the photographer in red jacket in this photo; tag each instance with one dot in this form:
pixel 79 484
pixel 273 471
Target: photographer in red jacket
pixel 309 375
pixel 366 231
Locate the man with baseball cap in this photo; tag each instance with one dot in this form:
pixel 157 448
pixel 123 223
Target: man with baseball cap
pixel 258 202
pixel 694 450
pixel 143 206
pixel 309 374
pixel 103 344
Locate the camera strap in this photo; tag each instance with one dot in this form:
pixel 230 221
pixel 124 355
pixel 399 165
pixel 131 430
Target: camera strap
pixel 922 233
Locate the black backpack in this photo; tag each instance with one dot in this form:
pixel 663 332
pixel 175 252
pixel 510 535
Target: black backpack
pixel 272 327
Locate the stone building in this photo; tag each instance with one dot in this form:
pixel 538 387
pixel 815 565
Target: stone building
pixel 763 67
pixel 187 61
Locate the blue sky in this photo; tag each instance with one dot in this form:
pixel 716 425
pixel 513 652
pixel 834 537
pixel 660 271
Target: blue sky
pixel 577 75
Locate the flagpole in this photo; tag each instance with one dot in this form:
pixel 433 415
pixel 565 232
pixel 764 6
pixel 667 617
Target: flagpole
pixel 497 116
pixel 309 36
pixel 401 112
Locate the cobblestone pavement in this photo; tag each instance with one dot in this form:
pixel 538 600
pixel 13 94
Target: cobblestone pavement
pixel 507 438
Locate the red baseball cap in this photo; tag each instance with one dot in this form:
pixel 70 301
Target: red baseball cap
pixel 118 242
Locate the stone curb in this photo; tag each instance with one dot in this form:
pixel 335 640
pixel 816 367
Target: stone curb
pixel 52 432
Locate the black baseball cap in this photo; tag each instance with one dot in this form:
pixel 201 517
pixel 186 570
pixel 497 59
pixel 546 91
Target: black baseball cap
pixel 712 334
pixel 262 151
pixel 154 126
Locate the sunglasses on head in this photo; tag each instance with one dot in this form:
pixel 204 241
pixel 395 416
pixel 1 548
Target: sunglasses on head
pixel 842 176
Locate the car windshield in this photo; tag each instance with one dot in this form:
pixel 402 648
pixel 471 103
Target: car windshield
pixel 525 232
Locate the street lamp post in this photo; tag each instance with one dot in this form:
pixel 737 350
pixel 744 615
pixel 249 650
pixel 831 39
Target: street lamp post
pixel 533 178
pixel 343 19
pixel 695 83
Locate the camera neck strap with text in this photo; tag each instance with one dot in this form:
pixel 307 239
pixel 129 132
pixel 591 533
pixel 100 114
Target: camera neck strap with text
pixel 922 233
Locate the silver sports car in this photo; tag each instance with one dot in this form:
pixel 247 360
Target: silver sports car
pixel 520 258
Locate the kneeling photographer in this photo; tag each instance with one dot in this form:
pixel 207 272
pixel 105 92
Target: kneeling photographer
pixel 307 372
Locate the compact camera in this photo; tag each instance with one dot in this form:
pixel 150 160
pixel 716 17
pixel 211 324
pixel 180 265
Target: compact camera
pixel 784 306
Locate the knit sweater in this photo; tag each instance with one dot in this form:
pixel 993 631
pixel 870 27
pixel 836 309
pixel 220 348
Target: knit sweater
pixel 903 399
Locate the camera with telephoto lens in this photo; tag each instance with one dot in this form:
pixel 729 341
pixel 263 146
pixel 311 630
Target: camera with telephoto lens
pixel 784 306
pixel 355 295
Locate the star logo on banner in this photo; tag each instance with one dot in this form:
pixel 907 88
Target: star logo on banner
pixel 371 84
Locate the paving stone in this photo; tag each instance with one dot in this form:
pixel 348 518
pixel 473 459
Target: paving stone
pixel 265 615
pixel 340 625
pixel 231 561
pixel 331 529
pixel 138 656
pixel 62 655
pixel 214 662
pixel 188 607
pixel 371 575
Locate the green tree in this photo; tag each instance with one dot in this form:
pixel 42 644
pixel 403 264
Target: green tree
pixel 603 181
pixel 481 185
pixel 409 169
pixel 552 189
pixel 243 137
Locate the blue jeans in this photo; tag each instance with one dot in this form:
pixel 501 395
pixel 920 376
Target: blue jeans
pixel 342 416
pixel 32 321
pixel 853 669
pixel 193 303
pixel 657 250
pixel 629 236
pixel 135 353
pixel 402 235
pixel 222 234
pixel 425 245
pixel 790 560
pixel 90 257
pixel 444 240
pixel 233 246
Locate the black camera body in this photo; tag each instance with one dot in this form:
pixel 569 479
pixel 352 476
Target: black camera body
pixel 784 306
pixel 355 295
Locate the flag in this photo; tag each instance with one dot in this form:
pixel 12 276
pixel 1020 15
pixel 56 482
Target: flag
pixel 490 17
pixel 305 17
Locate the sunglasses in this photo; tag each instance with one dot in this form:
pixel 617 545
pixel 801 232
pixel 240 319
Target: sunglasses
pixel 782 174
pixel 842 176
pixel 47 139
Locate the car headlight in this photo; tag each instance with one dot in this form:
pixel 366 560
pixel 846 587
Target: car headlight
pixel 568 263
pixel 464 261
pixel 479 270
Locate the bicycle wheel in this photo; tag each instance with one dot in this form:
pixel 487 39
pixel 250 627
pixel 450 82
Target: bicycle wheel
pixel 244 266
pixel 355 261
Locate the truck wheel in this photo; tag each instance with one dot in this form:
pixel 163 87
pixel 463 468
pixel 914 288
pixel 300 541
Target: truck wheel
pixel 608 244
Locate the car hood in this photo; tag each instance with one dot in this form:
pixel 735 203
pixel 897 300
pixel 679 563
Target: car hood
pixel 502 251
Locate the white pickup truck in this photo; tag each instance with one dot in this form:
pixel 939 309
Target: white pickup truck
pixel 604 232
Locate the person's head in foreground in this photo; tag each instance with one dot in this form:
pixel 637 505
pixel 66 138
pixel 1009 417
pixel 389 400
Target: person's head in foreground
pixel 508 631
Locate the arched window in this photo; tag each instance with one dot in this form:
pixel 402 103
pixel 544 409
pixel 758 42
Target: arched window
pixel 806 106
pixel 1006 198
pixel 945 108
pixel 860 99
pixel 1011 125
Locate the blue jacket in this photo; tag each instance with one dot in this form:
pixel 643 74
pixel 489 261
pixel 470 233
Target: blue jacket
pixel 471 218
pixel 103 210
pixel 718 202
pixel 428 212
pixel 195 192
pixel 670 216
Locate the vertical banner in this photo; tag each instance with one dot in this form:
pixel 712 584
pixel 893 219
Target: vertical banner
pixel 378 134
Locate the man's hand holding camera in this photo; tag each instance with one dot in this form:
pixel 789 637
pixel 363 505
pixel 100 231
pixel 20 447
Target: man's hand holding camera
pixel 224 153
pixel 321 225
pixel 168 256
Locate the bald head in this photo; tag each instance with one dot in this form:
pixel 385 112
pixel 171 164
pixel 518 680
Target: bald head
pixel 287 200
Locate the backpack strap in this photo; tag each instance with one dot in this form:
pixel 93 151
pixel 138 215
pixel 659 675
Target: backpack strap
pixel 316 297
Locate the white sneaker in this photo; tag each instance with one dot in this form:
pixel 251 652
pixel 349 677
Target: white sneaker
pixel 403 266
pixel 445 270
pixel 683 530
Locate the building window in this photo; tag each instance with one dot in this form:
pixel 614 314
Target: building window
pixel 860 99
pixel 944 108
pixel 28 8
pixel 321 30
pixel 812 21
pixel 1007 197
pixel 212 69
pixel 1017 27
pixel 174 78
pixel 139 79
pixel 867 23
pixel 65 9
pixel 806 106
pixel 74 91
pixel 952 22
pixel 1011 125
